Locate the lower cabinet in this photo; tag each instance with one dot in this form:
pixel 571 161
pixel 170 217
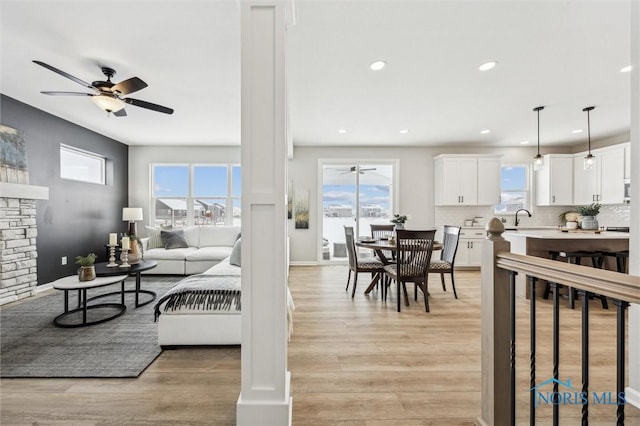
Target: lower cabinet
pixel 470 247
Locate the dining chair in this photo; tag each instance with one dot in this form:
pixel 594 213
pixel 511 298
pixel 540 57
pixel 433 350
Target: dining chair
pixel 413 255
pixel 451 237
pixel 379 232
pixel 359 264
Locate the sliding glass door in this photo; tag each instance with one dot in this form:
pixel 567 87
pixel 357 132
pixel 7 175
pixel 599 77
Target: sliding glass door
pixel 353 194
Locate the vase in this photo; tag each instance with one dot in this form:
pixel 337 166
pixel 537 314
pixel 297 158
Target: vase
pixel 588 222
pixel 87 273
pixel 135 253
pixel 399 226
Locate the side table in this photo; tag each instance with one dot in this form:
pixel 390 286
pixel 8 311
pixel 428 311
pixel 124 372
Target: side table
pixel 72 283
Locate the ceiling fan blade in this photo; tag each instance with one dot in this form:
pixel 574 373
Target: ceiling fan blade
pixel 129 86
pixel 120 113
pixel 67 94
pixel 148 105
pixel 64 74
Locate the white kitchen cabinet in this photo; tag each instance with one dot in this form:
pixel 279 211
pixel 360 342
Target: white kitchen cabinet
pixel 554 183
pixel 466 180
pixel 604 184
pixel 470 247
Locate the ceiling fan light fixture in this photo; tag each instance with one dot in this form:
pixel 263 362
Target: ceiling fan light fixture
pixel 108 103
pixel 538 160
pixel 590 159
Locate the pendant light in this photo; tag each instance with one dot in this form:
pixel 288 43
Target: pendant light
pixel 538 160
pixel 589 160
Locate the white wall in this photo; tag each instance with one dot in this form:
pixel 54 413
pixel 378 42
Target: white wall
pixel 141 158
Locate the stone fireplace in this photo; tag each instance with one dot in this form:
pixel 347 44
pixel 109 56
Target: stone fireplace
pixel 18 233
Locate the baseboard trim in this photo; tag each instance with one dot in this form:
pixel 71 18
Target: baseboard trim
pixel 302 263
pixel 632 396
pixel 44 287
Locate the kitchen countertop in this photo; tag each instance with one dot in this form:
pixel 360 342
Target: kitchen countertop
pixel 556 234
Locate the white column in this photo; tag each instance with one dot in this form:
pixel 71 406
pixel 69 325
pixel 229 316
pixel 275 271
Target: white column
pixel 265 390
pixel 633 390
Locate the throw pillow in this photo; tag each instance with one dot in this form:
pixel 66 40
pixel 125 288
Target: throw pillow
pixel 173 239
pixel 235 256
pixel 155 241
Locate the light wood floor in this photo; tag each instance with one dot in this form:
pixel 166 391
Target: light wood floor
pixel 353 362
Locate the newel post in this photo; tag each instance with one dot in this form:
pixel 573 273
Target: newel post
pixel 495 342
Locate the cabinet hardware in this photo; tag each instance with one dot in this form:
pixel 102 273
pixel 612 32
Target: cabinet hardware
pixel 553 198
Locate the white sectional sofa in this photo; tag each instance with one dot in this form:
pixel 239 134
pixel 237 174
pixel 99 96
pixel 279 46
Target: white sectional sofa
pixel 207 246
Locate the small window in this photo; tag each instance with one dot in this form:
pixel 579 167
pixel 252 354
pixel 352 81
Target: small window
pixel 514 189
pixel 83 166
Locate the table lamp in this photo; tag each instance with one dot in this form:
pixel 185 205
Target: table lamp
pixel 132 214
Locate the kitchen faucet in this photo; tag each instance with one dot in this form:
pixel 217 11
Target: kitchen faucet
pixel 521 210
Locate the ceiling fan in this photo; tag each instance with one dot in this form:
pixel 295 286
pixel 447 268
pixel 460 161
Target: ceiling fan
pixel 352 169
pixel 108 95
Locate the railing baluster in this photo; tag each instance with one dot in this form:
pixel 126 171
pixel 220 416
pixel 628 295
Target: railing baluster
pixel 585 355
pixel 556 352
pixel 621 306
pixel 532 356
pixel 512 326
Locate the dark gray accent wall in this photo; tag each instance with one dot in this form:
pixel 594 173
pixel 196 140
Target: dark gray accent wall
pixel 78 217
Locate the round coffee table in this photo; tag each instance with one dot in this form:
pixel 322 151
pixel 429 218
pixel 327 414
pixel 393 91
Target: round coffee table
pixel 72 283
pixel 102 270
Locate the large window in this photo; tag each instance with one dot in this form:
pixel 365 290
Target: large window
pixel 514 189
pixel 83 166
pixel 196 194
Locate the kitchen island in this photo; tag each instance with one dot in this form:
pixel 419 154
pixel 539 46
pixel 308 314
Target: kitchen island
pixel 539 242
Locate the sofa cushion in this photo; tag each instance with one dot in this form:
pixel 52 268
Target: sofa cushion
pixel 209 253
pixel 218 236
pixel 162 254
pixel 235 257
pixel 155 241
pixel 173 239
pixel 192 235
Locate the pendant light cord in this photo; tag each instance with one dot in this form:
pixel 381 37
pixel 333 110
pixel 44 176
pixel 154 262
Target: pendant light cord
pixel 588 110
pixel 538 109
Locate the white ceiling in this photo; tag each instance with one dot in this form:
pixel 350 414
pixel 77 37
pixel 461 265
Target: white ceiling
pixel 564 55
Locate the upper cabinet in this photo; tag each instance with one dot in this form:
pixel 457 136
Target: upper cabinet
pixel 604 184
pixel 554 183
pixel 467 180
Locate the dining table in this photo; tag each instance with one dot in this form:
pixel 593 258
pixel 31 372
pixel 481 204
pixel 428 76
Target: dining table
pixel 380 246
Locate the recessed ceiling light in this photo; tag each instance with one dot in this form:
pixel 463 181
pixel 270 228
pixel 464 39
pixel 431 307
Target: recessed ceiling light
pixel 485 131
pixel 342 131
pixel 576 131
pixel 524 142
pixel 626 69
pixel 377 65
pixel 404 131
pixel 488 65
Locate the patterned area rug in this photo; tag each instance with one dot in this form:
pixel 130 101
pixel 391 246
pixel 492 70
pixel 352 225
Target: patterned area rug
pixel 31 346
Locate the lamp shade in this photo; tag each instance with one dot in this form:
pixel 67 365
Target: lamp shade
pixel 131 214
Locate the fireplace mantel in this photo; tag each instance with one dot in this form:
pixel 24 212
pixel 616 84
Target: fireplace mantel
pixel 28 192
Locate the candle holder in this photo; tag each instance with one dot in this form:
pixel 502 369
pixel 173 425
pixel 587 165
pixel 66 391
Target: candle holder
pixel 125 259
pixel 112 256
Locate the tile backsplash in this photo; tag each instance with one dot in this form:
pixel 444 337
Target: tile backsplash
pixel 610 215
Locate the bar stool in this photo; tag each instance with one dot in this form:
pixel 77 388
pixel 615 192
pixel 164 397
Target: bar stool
pixel 621 259
pixel 575 257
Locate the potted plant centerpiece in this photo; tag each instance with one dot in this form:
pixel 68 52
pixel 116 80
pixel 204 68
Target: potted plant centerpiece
pixel 399 220
pixel 87 271
pixel 589 213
